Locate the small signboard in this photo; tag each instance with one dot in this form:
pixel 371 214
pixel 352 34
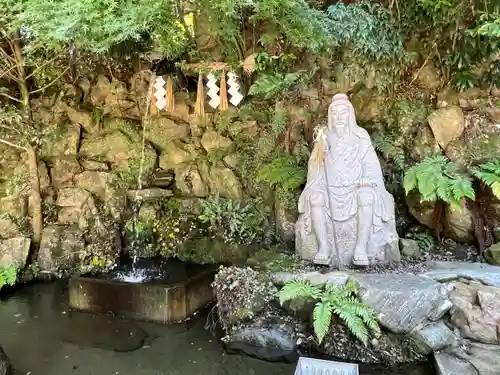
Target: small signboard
pixel 311 366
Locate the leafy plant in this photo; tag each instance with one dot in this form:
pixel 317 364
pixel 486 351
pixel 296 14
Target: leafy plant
pixel 386 146
pixel 424 239
pixel 334 301
pixel 437 178
pixel 8 275
pixel 235 221
pixel 489 173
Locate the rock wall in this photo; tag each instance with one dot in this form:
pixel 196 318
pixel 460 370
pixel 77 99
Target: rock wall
pixel 94 151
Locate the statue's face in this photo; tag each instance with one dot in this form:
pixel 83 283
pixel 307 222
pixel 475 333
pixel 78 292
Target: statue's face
pixel 340 117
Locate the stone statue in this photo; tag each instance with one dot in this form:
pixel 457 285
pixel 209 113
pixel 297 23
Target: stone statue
pixel 346 216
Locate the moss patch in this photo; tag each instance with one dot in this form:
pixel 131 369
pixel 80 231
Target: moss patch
pixel 275 260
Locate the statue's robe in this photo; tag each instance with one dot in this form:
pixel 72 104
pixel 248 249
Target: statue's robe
pixel 348 162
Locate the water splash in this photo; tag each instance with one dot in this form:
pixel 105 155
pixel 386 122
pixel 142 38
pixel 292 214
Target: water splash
pixel 136 276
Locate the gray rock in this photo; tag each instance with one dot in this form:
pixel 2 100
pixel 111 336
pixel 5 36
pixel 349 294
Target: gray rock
pixel 403 302
pixel 148 194
pixel 5 367
pixel 409 247
pixel 446 271
pixel 272 343
pixel 434 336
pixel 447 364
pixel 476 310
pixel 469 359
pixel 14 251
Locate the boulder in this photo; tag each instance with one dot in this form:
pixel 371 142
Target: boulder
pixel 95 182
pixel 61 250
pixel 224 182
pixel 92 165
pixel 76 205
pixel 409 248
pixel 189 181
pixel 162 131
pixel 432 337
pixel 285 222
pixel 476 311
pixel 272 342
pixel 5 367
pixel 403 302
pixel 447 124
pixel 493 254
pixel 338 278
pixel 458 224
pixel 448 271
pixel 429 77
pixel 79 118
pixel 122 149
pixel 152 194
pixel 66 141
pixel 14 252
pixel 63 171
pixel 470 358
pixel 175 155
pixel 212 141
pixel 424 144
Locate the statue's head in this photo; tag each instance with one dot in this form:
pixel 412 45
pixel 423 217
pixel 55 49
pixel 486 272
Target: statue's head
pixel 340 113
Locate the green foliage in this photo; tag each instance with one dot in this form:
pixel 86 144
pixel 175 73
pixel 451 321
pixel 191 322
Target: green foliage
pixel 97 25
pixel 8 275
pixel 364 37
pixel 285 171
pixel 437 178
pixel 424 239
pixel 234 221
pixel 385 145
pixel 489 173
pixel 333 300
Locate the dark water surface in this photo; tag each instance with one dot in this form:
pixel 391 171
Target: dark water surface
pixel 42 338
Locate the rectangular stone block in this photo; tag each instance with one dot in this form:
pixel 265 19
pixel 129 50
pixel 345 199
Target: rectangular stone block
pixel 159 303
pixel 311 366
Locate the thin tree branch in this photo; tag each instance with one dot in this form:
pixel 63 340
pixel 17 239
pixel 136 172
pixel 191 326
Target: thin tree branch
pixel 43 65
pixel 10 97
pixel 7 56
pixel 50 83
pixel 8 74
pixel 12 144
pixel 11 128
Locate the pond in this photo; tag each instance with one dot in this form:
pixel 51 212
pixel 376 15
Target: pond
pixel 42 337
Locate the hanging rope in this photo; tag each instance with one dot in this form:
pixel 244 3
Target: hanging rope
pixel 199 108
pixel 223 93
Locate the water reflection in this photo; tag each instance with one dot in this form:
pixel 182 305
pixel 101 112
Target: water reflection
pixel 42 338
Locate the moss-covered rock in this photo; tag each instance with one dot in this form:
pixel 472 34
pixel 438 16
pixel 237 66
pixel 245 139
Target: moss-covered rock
pixel 212 250
pixel 242 294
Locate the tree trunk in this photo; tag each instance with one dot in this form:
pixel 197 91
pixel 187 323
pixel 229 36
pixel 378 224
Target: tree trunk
pixel 36 200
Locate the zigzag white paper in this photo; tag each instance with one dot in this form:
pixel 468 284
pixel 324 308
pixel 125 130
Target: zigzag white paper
pixel 213 90
pixel 233 90
pixel 160 92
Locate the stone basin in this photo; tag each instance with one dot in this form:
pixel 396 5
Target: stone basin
pixel 166 293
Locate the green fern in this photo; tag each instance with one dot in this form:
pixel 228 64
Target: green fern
pixel 489 173
pixel 385 145
pixel 283 171
pixel 437 178
pixel 8 275
pixel 333 300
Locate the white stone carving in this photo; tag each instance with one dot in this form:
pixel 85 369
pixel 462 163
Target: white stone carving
pixel 346 216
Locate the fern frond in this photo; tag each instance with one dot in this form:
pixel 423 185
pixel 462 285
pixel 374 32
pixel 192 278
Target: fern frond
pixel 495 187
pixel 410 179
pixel 298 288
pixel 353 322
pixel 322 318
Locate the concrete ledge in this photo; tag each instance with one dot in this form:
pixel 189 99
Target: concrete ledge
pixel 158 303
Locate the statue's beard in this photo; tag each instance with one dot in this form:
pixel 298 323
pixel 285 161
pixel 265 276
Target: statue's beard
pixel 342 130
